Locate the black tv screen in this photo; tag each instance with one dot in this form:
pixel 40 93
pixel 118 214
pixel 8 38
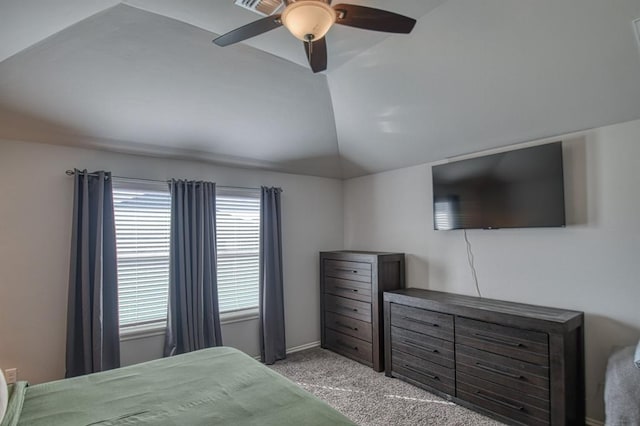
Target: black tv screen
pixel 515 189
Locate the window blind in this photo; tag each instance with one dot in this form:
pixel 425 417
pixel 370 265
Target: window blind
pixel 143 218
pixel 238 241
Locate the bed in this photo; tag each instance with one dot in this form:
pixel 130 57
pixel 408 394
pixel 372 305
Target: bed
pixel 208 387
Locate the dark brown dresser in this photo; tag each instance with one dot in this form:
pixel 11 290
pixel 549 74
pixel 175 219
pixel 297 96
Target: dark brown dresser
pixel 521 364
pixel 351 288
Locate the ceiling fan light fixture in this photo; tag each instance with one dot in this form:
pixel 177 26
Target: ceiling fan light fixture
pixel 308 19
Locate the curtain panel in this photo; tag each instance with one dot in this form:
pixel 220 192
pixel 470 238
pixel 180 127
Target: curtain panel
pixel 272 332
pixel 193 320
pixel 93 335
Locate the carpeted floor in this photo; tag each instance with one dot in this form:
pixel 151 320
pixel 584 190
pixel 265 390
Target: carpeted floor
pixel 369 398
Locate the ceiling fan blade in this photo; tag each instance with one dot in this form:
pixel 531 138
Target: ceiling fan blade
pixel 369 18
pixel 250 30
pixel 318 55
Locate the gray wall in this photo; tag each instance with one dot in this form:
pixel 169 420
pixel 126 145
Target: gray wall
pixel 592 265
pixel 35 226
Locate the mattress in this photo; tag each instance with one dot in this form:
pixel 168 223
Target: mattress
pixel 209 387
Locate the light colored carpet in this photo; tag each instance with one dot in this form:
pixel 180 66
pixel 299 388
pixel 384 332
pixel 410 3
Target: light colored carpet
pixel 369 398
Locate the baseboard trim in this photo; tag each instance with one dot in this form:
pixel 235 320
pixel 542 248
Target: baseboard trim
pixel 303 347
pixel 295 349
pixel 592 422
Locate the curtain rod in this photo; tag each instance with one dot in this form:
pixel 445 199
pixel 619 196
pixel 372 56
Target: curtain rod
pixel 71 173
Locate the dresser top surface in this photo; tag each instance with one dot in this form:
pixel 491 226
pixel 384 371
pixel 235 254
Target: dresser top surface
pixel 370 253
pixel 543 313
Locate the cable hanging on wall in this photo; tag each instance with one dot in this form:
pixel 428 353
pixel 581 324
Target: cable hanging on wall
pixel 471 265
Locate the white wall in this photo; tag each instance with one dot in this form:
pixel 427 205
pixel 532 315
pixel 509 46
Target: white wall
pixel 35 233
pixel 592 265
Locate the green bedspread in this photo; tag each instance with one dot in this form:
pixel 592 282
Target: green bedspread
pixel 209 387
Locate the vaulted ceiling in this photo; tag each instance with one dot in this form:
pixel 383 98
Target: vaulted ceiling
pixel 142 76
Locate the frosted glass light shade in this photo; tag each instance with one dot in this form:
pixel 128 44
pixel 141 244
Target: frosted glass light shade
pixel 308 19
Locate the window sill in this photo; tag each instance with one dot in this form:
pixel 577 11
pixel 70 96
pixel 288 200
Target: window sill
pixel 142 331
pixel 152 330
pixel 239 316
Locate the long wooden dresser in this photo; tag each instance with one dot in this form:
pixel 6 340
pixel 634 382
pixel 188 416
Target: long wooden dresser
pixel 521 364
pixel 351 288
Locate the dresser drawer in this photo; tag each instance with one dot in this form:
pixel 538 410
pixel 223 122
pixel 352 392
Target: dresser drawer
pixel 430 348
pixel 519 375
pixel 350 346
pixel 354 271
pixel 346 288
pixel 505 401
pixel 422 371
pixel 422 321
pixel 347 325
pixel 348 307
pixel 525 345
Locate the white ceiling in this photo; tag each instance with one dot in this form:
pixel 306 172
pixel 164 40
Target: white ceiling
pixel 143 76
pixel 483 74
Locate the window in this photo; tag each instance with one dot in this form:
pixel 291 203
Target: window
pixel 143 220
pixel 238 240
pixel 143 224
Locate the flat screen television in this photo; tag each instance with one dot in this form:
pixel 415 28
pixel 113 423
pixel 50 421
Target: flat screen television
pixel 523 188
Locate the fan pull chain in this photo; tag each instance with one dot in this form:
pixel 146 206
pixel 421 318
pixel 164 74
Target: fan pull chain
pixel 309 38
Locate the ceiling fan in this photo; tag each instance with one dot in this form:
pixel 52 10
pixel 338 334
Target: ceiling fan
pixel 310 20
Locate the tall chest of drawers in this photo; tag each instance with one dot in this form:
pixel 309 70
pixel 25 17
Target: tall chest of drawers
pixel 351 288
pixel 521 364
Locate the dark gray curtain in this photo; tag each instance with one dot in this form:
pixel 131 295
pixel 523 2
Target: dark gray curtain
pixel 272 338
pixel 93 335
pixel 193 320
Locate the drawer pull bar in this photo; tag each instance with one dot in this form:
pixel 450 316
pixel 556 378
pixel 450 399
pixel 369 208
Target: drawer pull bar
pixel 341 343
pixel 497 401
pixel 420 321
pixel 339 324
pixel 418 346
pixel 499 341
pixel 346 270
pixel 419 371
pixel 346 288
pixel 495 370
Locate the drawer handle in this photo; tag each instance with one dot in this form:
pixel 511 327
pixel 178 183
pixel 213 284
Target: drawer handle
pixel 347 270
pixel 418 346
pixel 495 370
pixel 341 343
pixel 422 372
pixel 420 321
pixel 346 288
pixel 339 324
pixel 497 401
pixel 346 308
pixel 499 341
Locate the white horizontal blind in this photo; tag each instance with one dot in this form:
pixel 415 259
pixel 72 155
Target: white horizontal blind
pixel 143 219
pixel 238 240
